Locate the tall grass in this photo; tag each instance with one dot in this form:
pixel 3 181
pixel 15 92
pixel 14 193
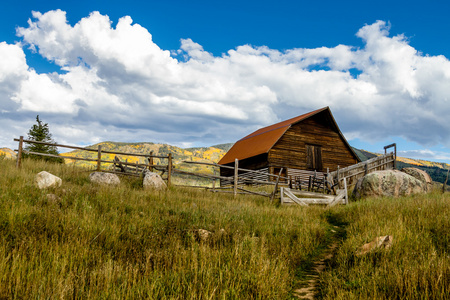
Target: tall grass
pixel 127 243
pixel 416 267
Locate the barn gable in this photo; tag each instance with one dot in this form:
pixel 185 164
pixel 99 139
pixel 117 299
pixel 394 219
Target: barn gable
pixel 310 141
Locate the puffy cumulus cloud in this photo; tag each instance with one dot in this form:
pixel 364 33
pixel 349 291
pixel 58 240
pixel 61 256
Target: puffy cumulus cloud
pixel 13 69
pixel 118 84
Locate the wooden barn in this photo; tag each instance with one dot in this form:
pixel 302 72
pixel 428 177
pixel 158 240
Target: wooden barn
pixel 301 145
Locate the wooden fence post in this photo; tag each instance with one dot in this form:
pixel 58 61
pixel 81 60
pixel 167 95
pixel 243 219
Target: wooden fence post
pixel 19 153
pixel 99 157
pixel 345 191
pixel 214 181
pixel 169 170
pixel 150 161
pixel 338 181
pixel 395 156
pixel 276 185
pixel 236 174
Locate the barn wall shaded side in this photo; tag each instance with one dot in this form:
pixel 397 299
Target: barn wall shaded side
pixel 290 150
pixel 251 163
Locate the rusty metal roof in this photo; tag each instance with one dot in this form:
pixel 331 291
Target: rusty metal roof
pixel 262 140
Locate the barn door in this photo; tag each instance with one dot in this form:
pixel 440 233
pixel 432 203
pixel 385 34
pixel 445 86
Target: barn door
pixel 314 157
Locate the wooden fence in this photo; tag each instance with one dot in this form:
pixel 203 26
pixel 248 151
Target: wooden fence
pixel 240 182
pixel 239 179
pixel 120 167
pixel 352 173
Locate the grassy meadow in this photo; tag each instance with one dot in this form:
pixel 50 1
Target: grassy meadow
pixel 126 243
pixel 417 266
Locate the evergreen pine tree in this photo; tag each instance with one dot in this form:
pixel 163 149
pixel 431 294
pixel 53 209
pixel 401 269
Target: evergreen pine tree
pixel 41 133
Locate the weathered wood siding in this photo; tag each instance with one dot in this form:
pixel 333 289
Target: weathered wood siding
pixel 291 148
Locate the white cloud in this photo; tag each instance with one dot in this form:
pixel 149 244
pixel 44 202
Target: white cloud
pixel 426 154
pixel 119 79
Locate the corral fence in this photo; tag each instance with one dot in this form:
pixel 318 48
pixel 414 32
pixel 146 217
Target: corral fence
pixel 123 167
pixel 243 181
pixel 118 165
pixel 351 174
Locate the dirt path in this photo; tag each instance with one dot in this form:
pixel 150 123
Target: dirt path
pixel 309 290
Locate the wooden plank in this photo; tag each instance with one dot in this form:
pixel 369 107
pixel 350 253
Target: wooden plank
pixel 210 176
pixel 311 194
pixel 57 145
pixel 120 173
pixel 338 198
pixel 118 163
pixel 307 201
pixel 232 168
pixel 254 193
pixel 294 198
pixel 91 150
pixel 59 156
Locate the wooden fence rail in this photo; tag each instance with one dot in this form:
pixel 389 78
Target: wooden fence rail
pixel 357 171
pixel 99 159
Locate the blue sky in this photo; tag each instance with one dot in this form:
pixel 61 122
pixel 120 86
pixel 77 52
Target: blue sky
pixel 197 73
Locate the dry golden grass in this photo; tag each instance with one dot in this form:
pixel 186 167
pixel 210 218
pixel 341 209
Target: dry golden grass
pixel 127 243
pixel 417 266
pixel 124 242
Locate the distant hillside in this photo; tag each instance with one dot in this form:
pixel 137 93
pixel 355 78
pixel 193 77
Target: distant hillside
pixel 7 153
pixel 224 147
pixel 201 154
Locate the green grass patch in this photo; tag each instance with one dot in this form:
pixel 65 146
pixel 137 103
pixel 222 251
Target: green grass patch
pixel 126 243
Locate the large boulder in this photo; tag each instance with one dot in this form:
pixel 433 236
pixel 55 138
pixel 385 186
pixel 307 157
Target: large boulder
pixel 388 183
pixel 153 181
pixel 104 178
pixel 420 175
pixel 46 180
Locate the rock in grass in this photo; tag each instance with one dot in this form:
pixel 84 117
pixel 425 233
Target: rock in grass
pixel 204 235
pixel 153 181
pixel 52 198
pixel 46 180
pixel 104 178
pixel 379 242
pixel 389 183
pixel 420 175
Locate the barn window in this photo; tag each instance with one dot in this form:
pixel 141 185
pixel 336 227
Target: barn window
pixel 314 157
